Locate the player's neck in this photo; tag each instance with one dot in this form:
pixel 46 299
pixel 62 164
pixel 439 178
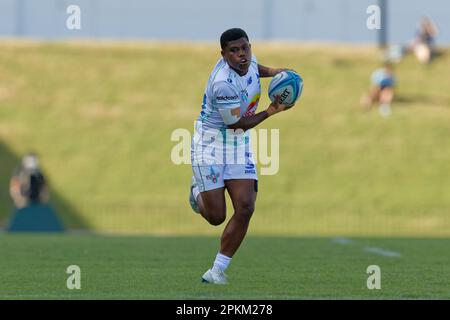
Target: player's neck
pixel 240 73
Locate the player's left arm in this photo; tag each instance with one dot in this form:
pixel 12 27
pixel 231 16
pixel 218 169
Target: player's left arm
pixel 265 72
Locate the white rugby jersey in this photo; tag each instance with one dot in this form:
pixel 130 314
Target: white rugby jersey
pixel 226 89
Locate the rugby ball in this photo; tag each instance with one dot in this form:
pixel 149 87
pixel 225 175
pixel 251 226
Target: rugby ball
pixel 288 85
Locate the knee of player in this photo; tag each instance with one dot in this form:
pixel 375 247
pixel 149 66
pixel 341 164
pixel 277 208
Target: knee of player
pixel 246 209
pixel 216 220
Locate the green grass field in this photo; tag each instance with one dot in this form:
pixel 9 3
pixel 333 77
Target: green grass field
pixel 101 116
pixel 265 268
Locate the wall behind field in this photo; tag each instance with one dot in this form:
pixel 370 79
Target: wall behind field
pixel 301 20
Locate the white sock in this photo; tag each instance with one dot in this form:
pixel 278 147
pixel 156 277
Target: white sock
pixel 221 263
pixel 195 192
pixel 385 109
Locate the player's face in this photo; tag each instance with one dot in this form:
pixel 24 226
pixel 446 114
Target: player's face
pixel 238 54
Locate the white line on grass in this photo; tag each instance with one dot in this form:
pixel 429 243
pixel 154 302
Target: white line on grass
pixel 379 251
pixel 343 241
pixel 382 252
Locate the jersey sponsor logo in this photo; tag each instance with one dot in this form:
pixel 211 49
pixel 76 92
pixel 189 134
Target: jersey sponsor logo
pixel 244 95
pixel 213 176
pixel 227 98
pixel 249 166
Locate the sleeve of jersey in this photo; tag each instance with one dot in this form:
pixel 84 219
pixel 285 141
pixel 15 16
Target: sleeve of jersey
pixel 227 102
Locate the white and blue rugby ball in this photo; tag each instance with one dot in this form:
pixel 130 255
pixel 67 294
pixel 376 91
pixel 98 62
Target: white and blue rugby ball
pixel 288 85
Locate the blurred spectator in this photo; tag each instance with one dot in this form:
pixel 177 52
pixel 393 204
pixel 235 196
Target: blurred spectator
pixel 30 194
pixel 382 89
pixel 423 46
pixel 27 183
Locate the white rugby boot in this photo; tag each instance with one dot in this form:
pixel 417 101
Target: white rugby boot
pixel 215 277
pixel 192 200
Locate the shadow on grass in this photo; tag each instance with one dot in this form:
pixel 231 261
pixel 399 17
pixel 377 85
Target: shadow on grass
pixel 439 53
pixel 403 100
pixel 71 219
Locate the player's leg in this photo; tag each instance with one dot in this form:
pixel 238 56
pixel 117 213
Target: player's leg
pixel 239 177
pixel 208 193
pixel 368 99
pixel 386 95
pixel 243 196
pixel 212 205
pixel 375 92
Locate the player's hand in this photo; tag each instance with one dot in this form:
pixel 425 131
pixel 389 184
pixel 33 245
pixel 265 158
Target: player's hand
pixel 275 107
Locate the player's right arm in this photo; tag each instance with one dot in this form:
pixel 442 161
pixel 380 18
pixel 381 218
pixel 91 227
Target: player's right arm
pixel 246 123
pixel 229 106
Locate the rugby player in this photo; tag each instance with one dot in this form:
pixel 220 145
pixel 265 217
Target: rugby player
pixel 229 105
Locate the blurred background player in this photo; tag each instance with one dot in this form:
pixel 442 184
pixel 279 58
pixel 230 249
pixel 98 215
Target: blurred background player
pixel 382 89
pixel 423 46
